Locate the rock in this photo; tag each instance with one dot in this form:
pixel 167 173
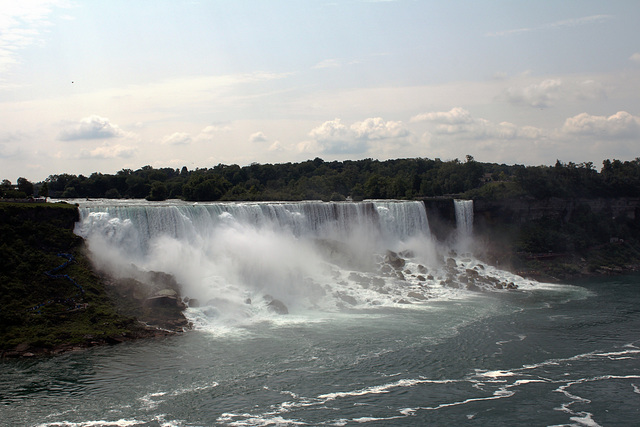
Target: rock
pixel 422 269
pixel 471 273
pixel 394 260
pixel 451 263
pixel 512 286
pixel 416 295
pixel 193 302
pixel 166 293
pixel 347 298
pixel 421 278
pixel 400 275
pixel 277 306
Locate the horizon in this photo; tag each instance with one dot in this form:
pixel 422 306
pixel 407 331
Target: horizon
pixel 100 87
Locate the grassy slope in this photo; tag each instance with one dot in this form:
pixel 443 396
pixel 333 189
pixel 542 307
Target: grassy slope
pixel 31 236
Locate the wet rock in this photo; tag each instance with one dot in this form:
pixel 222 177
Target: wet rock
pixel 394 260
pixel 421 278
pixel 247 301
pixel 512 286
pixel 473 287
pixel 451 263
pixel 471 273
pixel 400 275
pixel 347 298
pixel 277 306
pixel 193 302
pixel 416 295
pixel 422 269
pixel 430 277
pixel 499 286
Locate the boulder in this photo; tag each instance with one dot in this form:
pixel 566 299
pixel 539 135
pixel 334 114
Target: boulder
pixel 416 295
pixel 394 260
pixel 277 306
pixel 347 298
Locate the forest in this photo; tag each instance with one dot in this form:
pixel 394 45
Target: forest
pixel 317 179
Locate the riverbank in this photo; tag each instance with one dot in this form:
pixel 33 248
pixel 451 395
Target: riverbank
pixel 51 298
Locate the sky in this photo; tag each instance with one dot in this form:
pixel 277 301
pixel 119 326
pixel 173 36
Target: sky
pixel 96 86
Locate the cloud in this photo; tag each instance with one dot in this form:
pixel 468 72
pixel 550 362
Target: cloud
pixel 454 116
pixel 177 138
pixel 565 23
pixel 635 58
pixel 21 23
pixel 109 152
pixel 334 137
pixel 541 95
pixel 258 137
pixel 276 146
pixel 328 63
pixel 459 121
pixel 619 125
pixel 92 127
pixel 549 92
pixel 377 128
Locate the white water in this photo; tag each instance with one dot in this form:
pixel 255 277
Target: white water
pixel 464 224
pixel 314 257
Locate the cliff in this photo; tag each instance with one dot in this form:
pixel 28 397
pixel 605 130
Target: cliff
pixel 51 300
pixel 559 238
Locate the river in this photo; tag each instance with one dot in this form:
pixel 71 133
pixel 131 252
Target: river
pixel 360 344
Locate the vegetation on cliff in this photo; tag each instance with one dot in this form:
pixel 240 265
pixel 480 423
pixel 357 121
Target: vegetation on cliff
pixel 70 306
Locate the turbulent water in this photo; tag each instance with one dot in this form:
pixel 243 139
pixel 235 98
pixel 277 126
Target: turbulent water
pixel 385 326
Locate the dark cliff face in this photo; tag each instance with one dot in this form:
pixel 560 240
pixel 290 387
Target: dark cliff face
pixel 520 211
pixel 442 217
pixel 550 238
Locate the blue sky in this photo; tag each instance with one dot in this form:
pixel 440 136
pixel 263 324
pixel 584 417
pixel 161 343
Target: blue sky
pixel 90 86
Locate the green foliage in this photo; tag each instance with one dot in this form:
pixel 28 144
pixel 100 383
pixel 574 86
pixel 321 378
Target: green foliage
pixel 320 180
pixel 31 236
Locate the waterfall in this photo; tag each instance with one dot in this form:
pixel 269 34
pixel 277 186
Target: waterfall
pixel 236 258
pixel 464 219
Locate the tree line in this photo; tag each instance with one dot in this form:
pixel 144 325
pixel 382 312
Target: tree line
pixel 336 181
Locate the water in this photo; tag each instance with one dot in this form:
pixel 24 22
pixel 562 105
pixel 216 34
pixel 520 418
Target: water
pixel 464 223
pixel 543 354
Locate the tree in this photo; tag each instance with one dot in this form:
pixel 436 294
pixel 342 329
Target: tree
pixel 158 192
pixel 25 186
pixel 44 190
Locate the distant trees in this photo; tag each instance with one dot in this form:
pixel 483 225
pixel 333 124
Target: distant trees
pixel 367 178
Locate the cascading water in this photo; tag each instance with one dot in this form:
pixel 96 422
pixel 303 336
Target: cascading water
pixel 236 257
pixel 464 223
